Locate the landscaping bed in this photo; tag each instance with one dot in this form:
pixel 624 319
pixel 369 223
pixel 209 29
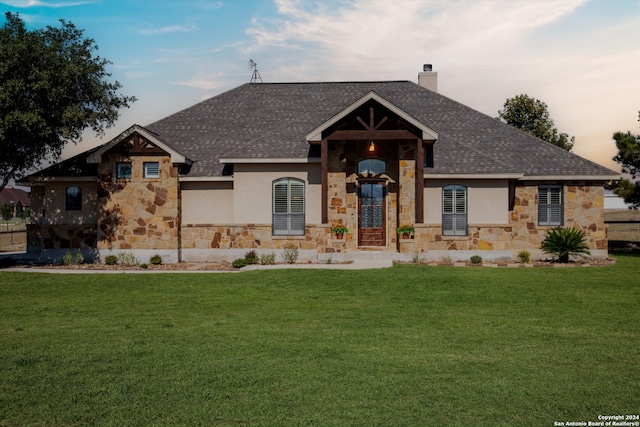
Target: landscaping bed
pixel 187 266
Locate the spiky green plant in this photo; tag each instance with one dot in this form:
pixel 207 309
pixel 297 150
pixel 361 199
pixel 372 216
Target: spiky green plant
pixel 564 242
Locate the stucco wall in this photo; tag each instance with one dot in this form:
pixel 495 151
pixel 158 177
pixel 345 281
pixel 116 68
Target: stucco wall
pixel 487 201
pixel 252 185
pixel 207 202
pixel 53 201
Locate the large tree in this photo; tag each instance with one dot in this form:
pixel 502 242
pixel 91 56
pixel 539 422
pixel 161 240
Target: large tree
pixel 629 158
pixel 52 87
pixel 532 116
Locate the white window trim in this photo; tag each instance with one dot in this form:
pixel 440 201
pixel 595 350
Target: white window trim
pixel 118 165
pixel 455 214
pixel 146 171
pixel 294 211
pixel 554 217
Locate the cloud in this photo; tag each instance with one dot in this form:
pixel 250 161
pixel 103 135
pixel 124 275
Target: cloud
pixel 43 3
pixel 170 29
pixel 388 36
pixel 202 80
pixel 582 64
pixel 210 5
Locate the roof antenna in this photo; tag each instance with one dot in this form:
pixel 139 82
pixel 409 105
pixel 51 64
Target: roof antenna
pixel 256 75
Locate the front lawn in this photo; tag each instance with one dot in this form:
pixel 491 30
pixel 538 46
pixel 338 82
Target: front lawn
pixel 410 345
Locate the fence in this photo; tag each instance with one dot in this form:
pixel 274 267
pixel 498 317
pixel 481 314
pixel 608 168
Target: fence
pixel 623 231
pixel 13 241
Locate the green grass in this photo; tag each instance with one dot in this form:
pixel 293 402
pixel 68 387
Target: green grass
pixel 411 345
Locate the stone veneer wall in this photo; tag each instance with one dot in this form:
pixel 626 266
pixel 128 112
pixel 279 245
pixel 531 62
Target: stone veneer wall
pixel 583 208
pixel 138 213
pixel 406 194
pixel 66 236
pixel 342 188
pixel 52 242
pixel 228 242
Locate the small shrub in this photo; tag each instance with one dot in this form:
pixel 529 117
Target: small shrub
pixel 143 265
pixel 405 229
pixel 339 230
pixel 155 260
pixel 524 257
pixel 476 259
pixel 268 259
pixel 290 254
pixel 563 242
pixel 446 259
pixel 127 258
pixel 416 256
pixel 72 258
pixel 239 263
pixel 251 257
pixel 111 260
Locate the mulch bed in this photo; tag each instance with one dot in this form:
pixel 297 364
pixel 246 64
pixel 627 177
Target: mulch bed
pixel 226 266
pixel 588 262
pixel 182 266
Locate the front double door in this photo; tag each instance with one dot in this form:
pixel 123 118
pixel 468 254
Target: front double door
pixel 372 214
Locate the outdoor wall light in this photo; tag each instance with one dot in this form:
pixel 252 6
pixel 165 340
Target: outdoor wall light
pixel 372 147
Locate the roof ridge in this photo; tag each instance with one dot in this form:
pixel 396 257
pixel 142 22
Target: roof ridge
pixel 328 83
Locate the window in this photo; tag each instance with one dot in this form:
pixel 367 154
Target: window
pixel 454 210
pixel 123 170
pixel 372 167
pixel 151 170
pixel 550 205
pixel 428 155
pixel 74 198
pixel 288 207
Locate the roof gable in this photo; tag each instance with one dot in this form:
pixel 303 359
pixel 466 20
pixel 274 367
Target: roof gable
pixel 427 133
pixel 149 143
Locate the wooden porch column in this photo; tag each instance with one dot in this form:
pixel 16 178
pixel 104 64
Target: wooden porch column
pixel 324 170
pixel 419 181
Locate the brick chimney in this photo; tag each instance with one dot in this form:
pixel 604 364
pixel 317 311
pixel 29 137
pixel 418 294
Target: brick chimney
pixel 427 78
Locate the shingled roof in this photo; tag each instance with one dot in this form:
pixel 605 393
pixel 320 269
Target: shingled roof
pixel 271 120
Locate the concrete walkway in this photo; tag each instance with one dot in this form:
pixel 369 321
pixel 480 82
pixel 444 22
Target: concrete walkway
pixel 356 265
pixel 360 264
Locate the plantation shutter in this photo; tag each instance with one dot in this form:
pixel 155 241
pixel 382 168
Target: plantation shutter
pixel 550 205
pixel 151 170
pixel 288 207
pixel 454 210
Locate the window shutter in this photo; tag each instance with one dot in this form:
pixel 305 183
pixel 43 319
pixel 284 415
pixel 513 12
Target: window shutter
pixel 296 198
pixel 555 206
pixel 447 201
pixel 280 198
pixel 288 207
pixel 461 201
pixel 460 224
pixel 151 170
pixel 543 215
pixel 447 224
pixel 550 205
pixel 454 210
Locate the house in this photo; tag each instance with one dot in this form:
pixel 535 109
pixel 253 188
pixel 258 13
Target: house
pixel 17 198
pixel 267 165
